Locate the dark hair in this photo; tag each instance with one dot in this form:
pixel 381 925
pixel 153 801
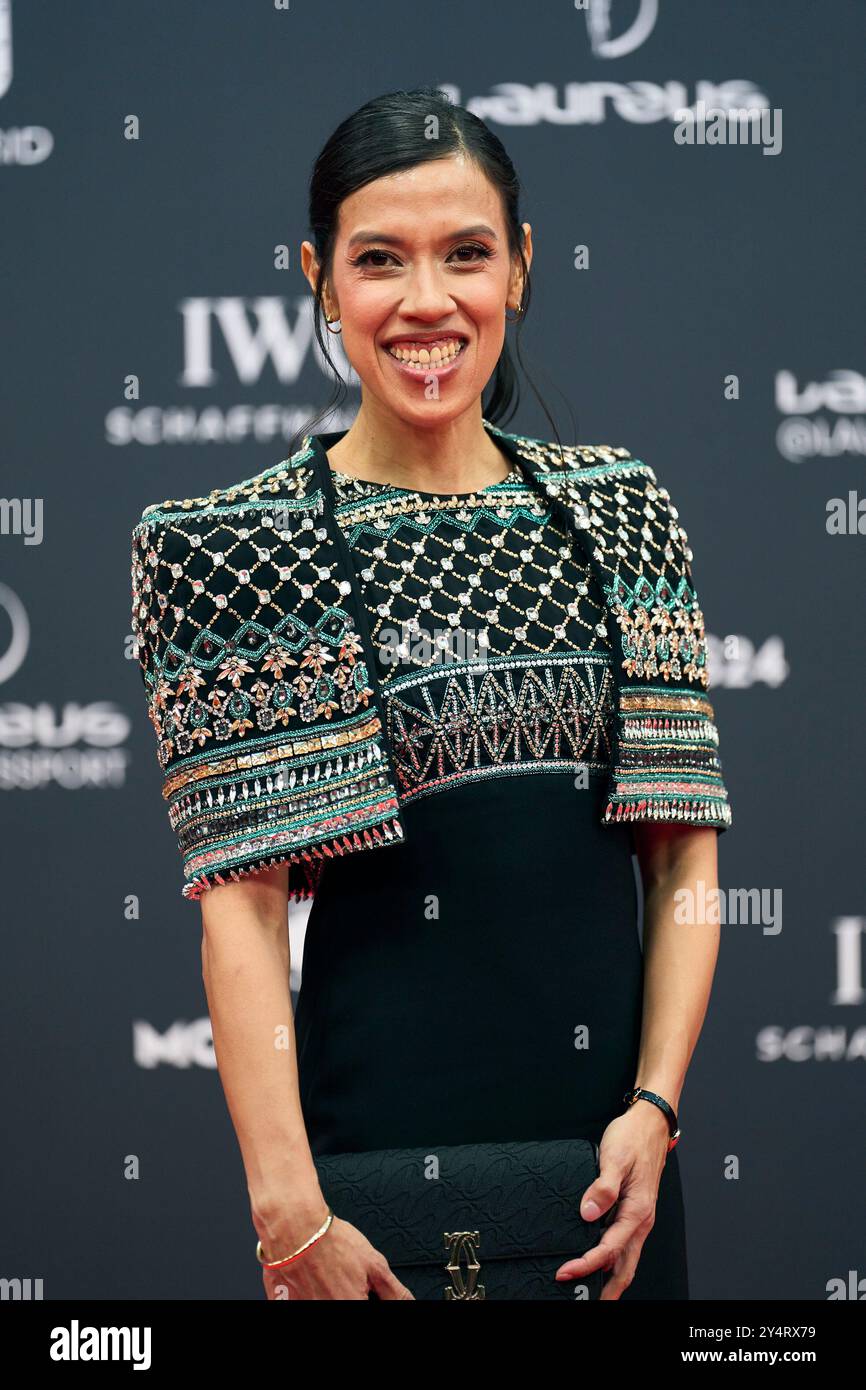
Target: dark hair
pixel 387 134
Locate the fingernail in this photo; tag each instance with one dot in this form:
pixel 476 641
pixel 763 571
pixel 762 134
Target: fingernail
pixel 590 1211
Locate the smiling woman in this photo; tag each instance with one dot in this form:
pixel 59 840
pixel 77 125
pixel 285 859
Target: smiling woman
pixel 418 251
pixel 479 993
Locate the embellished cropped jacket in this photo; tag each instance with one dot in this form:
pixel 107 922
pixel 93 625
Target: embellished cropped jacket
pixel 261 681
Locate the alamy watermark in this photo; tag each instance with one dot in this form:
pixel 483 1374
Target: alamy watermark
pixel 22 516
pixel 714 125
pixel 700 906
pixel 413 644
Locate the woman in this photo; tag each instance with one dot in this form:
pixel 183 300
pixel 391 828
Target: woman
pixel 484 980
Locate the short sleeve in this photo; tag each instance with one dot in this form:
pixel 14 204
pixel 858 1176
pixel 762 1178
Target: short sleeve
pixel 667 764
pixel 222 673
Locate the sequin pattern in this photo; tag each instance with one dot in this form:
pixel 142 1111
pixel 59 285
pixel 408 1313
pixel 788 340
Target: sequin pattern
pixel 248 656
pixel 667 765
pixel 490 631
pixel 287 734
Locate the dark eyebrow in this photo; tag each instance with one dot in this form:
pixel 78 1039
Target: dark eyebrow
pixel 481 229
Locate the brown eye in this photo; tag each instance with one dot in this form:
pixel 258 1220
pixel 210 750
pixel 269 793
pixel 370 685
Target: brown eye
pixel 364 258
pixel 479 250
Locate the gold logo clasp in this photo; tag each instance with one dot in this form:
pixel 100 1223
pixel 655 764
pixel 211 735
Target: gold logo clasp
pixel 463 1265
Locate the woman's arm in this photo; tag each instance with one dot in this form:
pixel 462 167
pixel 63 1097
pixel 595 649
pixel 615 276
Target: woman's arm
pixel 679 963
pixel 245 966
pixel 679 956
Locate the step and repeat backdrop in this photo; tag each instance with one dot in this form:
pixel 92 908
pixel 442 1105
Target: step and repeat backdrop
pixel 697 297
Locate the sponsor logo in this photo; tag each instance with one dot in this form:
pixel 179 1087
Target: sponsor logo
pixel 5 46
pixel 734 661
pixel 71 746
pixel 28 144
pixel 591 103
pixel 12 656
pixel 821 419
pixel 182 1045
pixel 828 1042
pixel 606 44
pixel 248 339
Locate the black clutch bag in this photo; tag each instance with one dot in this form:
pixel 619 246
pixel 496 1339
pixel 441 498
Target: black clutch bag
pixel 473 1221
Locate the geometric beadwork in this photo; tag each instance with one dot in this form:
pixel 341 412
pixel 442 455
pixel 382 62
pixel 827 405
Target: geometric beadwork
pixel 284 736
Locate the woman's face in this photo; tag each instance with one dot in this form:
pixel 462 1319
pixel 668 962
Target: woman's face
pixel 421 264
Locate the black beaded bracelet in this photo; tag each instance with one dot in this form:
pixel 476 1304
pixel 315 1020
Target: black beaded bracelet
pixel 640 1094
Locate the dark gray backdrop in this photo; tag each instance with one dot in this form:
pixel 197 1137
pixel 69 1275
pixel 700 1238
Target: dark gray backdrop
pixel 704 262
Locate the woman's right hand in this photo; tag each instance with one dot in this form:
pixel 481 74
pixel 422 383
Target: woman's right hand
pixel 342 1264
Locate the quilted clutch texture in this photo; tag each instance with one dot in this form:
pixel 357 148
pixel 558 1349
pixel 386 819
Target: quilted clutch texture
pixel 473 1221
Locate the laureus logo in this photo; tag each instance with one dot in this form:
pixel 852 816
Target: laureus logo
pixel 598 25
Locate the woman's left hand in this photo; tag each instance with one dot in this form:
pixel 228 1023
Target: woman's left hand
pixel 632 1156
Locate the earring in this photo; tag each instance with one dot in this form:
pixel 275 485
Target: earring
pixel 518 314
pixel 332 318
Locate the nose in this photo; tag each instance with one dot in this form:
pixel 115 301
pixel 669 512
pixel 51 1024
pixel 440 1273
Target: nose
pixel 426 295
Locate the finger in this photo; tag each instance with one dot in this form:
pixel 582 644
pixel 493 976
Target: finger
pixel 601 1194
pixel 386 1284
pixel 624 1270
pixel 611 1246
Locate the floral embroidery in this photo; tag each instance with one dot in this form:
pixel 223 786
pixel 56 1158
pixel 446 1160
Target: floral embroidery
pixel 319 689
pixel 185 724
pixel 666 640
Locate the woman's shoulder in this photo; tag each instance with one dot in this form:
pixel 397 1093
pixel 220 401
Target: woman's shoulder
pixel 288 479
pixel 618 498
pixel 587 459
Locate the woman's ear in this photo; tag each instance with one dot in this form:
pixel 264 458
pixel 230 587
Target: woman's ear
pixel 517 282
pixel 310 267
pixel 527 243
pixel 309 263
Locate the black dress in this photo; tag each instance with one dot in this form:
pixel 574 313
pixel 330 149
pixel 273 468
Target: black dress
pixel 485 983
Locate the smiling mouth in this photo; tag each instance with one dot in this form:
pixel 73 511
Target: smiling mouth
pixel 430 355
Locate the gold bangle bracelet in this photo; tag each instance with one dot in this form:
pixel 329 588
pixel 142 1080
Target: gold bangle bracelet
pixel 276 1264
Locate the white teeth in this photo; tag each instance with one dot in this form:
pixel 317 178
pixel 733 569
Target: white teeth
pixel 422 356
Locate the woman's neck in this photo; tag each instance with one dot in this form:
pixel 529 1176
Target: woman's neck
pixel 457 457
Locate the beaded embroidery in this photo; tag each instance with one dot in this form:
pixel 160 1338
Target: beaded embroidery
pixel 283 736
pixel 540 694
pixel 244 642
pixel 667 766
